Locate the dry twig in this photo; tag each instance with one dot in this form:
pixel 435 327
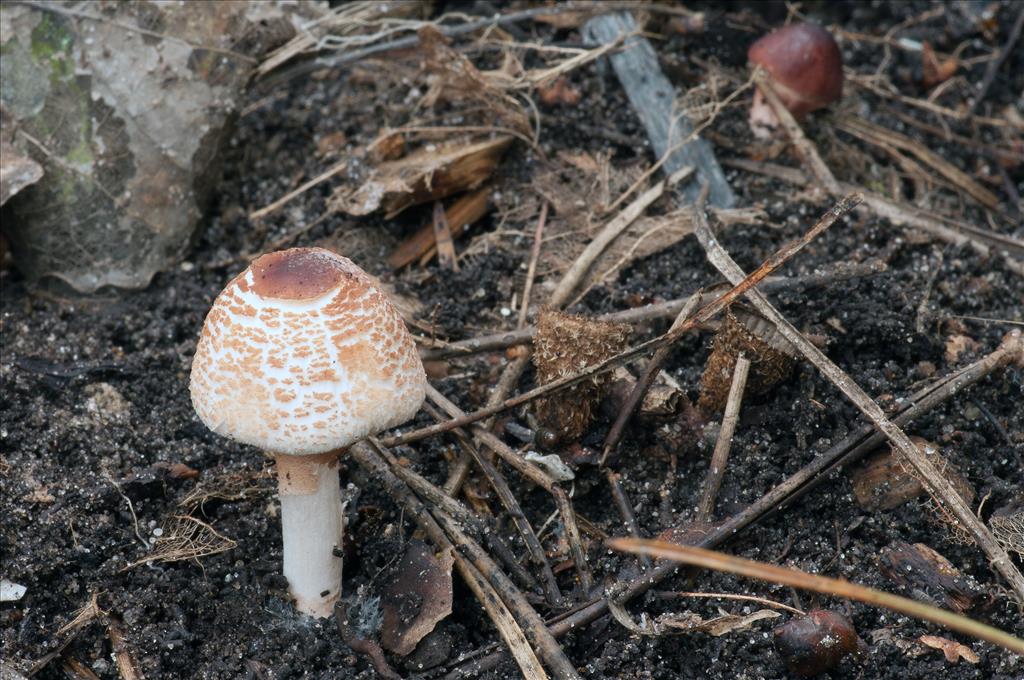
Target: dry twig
pixel 720 457
pixel 660 310
pixel 710 559
pixel 511 504
pixel 445 532
pixel 936 484
pixel 704 314
pixel 853 447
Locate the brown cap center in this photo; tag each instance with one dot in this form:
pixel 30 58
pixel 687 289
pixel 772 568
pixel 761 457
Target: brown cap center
pixel 296 274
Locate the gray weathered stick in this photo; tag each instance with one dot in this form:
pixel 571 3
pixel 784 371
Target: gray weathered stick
pixel 713 482
pixel 653 98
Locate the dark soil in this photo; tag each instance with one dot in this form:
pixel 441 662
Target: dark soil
pixel 94 408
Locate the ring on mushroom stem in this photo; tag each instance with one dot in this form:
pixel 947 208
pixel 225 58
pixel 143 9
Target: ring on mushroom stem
pixel 302 355
pixel 806 68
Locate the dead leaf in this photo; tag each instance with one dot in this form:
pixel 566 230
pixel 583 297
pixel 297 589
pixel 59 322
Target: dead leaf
pixel 558 92
pixel 954 651
pixel 957 345
pixel 417 598
pixel 933 70
pixel 429 173
pixel 16 172
pixel 563 19
pixel 718 626
pixel 421 246
pixel 581 161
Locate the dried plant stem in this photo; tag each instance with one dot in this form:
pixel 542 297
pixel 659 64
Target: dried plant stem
pixel 510 503
pixel 710 559
pixel 611 442
pixel 330 172
pixel 443 239
pixel 933 480
pixel 805 147
pixel 470 521
pixel 572 534
pixel 853 447
pixel 572 278
pixel 996 64
pixel 478 569
pixel 510 632
pixel 720 457
pixel 666 594
pixel 659 310
pixel 126 666
pixel 624 507
pixel 531 271
pixel 704 314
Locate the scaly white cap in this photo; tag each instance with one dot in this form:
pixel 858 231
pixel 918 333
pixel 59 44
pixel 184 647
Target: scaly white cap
pixel 302 354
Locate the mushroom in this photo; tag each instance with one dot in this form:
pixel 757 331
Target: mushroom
pixel 302 355
pixel 806 68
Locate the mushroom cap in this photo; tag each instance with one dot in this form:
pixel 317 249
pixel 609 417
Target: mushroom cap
pixel 805 64
pixel 301 354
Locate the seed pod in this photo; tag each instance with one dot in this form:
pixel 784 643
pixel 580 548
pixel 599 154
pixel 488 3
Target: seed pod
pixel 817 642
pixel 770 354
pixel 564 345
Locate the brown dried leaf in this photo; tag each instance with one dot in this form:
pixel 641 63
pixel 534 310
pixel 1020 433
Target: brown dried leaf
pixel 429 173
pixel 933 70
pixel 957 345
pixel 954 651
pixel 884 482
pixel 558 92
pixel 918 568
pixel 418 597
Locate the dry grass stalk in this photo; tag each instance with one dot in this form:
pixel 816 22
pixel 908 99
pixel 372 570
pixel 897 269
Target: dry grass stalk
pixel 880 136
pixel 126 666
pixel 517 622
pixel 720 456
pixel 91 610
pixel 986 243
pixel 710 559
pixel 564 345
pixel 444 245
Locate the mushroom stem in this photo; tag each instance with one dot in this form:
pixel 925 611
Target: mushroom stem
pixel 311 525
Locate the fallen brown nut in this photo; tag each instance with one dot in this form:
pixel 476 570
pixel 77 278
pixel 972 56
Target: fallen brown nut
pixel 817 642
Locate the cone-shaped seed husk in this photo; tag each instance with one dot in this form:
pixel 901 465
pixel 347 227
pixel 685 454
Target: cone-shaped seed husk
pixel 564 345
pixel 757 339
